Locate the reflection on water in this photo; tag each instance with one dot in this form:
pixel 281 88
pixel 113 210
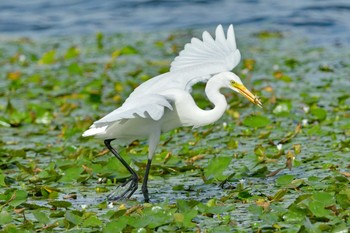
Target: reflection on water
pixel 317 19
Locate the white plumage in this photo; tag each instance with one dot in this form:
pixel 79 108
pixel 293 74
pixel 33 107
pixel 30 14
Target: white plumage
pixel 199 61
pixel 164 102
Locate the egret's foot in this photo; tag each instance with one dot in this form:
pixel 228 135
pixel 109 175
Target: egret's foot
pixel 124 190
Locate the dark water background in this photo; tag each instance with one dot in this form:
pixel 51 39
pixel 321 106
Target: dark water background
pixel 320 20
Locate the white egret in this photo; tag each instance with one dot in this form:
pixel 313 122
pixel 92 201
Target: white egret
pixel 164 102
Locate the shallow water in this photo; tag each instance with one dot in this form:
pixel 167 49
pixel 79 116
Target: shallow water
pixel 321 21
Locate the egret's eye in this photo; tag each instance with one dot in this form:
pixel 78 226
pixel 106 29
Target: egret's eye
pixel 232 82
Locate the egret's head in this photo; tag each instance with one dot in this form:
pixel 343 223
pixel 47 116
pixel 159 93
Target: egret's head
pixel 235 83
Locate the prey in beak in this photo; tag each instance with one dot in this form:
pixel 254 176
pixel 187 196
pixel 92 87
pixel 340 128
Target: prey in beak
pixel 246 93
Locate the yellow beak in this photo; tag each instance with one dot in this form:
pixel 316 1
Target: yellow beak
pixel 246 93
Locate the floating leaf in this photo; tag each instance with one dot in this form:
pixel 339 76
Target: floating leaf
pixel 279 195
pixel 92 221
pixel 115 226
pixel 41 217
pixel 19 197
pixel 2 180
pixel 216 167
pixel 99 40
pixel 319 113
pixel 318 203
pixel 73 218
pixel 256 121
pixel 5 217
pixel 284 180
pixel 72 52
pixel 60 204
pixel 291 63
pixel 128 50
pixel 269 34
pixel 48 58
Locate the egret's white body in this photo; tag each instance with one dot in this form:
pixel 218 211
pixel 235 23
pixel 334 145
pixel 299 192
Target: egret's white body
pixel 164 102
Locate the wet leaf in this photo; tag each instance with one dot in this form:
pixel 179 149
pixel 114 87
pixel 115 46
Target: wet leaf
pixel 41 217
pixel 73 218
pixel 72 52
pixel 256 121
pixel 48 58
pixel 99 40
pixel 62 204
pixel 318 203
pixel 128 50
pixel 5 218
pixel 114 226
pixel 269 34
pixel 285 180
pixel 2 180
pixel 18 197
pixel 319 113
pixel 279 195
pixel 92 221
pixel 216 167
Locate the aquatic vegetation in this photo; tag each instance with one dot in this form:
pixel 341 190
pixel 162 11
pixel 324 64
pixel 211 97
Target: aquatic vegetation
pixel 283 168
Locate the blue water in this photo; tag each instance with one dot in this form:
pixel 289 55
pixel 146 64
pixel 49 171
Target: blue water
pixel 321 20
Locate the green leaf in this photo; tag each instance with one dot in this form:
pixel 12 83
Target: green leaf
pixel 2 180
pixel 5 217
pixel 75 68
pixel 269 34
pixel 343 198
pixel 73 218
pixel 60 204
pixel 216 167
pixel 256 121
pixel 115 226
pixel 92 221
pixel 318 202
pixel 20 197
pixel 128 50
pixel 72 52
pixel 318 210
pixel 185 219
pixel 41 217
pixel 99 40
pixel 71 174
pixel 186 205
pixel 294 215
pixel 279 195
pixel 284 180
pixel 152 217
pixel 324 198
pixel 319 113
pixel 48 58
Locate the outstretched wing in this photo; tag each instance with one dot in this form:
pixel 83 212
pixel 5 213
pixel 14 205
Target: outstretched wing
pixel 150 106
pixel 200 60
pixel 216 55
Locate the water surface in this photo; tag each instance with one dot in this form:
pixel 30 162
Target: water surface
pixel 322 21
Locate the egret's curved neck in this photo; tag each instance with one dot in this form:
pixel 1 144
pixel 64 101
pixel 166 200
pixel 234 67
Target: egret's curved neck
pixel 212 90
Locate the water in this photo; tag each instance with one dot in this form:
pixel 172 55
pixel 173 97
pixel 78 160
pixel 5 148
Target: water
pixel 320 20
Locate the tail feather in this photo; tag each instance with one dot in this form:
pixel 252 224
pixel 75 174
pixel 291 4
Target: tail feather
pixel 95 131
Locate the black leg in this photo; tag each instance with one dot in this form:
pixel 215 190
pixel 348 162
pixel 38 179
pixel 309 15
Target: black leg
pixel 132 180
pixel 145 179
